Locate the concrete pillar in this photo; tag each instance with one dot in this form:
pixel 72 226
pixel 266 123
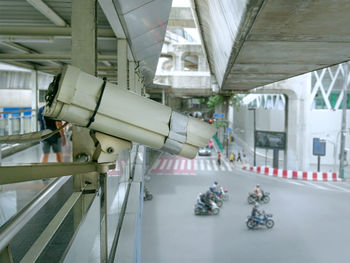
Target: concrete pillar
pixel 35 99
pixel 84 38
pixel 84 56
pixel 163 96
pixel 132 84
pixel 138 84
pixel 202 63
pixel 122 63
pixel 178 62
pixel 297 155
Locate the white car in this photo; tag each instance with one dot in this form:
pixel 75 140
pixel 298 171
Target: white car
pixel 204 151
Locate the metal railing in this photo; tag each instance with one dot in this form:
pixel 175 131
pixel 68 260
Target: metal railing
pixel 18 221
pixel 18 122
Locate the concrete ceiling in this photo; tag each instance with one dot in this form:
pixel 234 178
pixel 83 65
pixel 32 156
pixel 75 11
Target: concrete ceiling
pixel 29 38
pixel 251 43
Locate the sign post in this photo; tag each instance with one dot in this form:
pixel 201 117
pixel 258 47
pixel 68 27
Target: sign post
pixel 318 149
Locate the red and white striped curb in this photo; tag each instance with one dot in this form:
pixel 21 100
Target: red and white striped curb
pixel 290 174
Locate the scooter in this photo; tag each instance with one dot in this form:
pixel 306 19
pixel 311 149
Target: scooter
pixel 253 198
pixel 203 210
pixel 265 220
pixel 217 200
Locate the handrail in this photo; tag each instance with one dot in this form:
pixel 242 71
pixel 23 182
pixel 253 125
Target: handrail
pixel 11 228
pixel 113 251
pixel 10 112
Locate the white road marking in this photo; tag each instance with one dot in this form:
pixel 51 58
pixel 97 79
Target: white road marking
pixel 228 166
pixel 169 164
pixel 202 165
pixel 338 187
pixel 208 165
pixel 163 164
pixel 176 164
pixel 214 165
pixel 189 164
pixel 195 162
pixel 317 186
pixel 294 182
pixel 182 166
pixel 222 168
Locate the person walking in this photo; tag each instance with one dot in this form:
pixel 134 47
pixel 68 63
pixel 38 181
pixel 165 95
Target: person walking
pixel 55 142
pixel 232 157
pixel 219 158
pixel 239 159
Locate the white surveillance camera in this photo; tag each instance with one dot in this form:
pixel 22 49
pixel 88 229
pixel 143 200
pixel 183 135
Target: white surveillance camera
pixel 84 100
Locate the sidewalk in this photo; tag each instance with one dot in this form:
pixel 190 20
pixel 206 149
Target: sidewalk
pixel 261 161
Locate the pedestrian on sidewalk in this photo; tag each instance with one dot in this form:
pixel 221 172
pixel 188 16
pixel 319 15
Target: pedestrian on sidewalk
pixel 219 158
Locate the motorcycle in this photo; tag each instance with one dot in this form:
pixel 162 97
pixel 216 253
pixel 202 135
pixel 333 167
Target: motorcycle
pixel 147 196
pixel 253 198
pixel 223 194
pixel 200 210
pixel 217 200
pixel 265 220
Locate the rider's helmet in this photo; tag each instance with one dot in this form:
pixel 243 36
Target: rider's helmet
pixel 216 183
pixel 211 188
pixel 258 185
pixel 256 205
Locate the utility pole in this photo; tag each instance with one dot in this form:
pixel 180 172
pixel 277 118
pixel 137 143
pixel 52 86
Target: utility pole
pixel 343 123
pixel 254 116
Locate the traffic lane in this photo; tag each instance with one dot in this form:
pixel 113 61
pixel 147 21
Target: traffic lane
pixel 310 221
pixel 298 234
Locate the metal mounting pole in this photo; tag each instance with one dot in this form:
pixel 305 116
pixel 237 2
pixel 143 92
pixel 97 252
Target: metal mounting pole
pixel 343 123
pixel 254 137
pixel 103 219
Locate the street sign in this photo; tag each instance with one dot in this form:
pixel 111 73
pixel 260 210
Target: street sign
pixel 270 140
pixel 219 115
pixel 228 130
pixel 319 147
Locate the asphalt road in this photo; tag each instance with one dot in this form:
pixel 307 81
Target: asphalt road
pixel 311 220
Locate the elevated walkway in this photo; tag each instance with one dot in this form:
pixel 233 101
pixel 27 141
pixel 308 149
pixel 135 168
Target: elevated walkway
pixel 39 220
pixel 254 43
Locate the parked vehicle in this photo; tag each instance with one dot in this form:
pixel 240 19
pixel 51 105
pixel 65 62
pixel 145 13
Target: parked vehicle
pixel 253 198
pixel 264 220
pixel 203 210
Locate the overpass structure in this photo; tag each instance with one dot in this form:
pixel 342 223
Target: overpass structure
pixel 251 43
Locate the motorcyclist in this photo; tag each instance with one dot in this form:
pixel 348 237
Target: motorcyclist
pixel 256 212
pixel 201 200
pixel 258 192
pixel 208 197
pixel 216 189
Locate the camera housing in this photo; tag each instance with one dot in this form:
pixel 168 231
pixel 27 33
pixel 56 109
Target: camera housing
pixel 85 100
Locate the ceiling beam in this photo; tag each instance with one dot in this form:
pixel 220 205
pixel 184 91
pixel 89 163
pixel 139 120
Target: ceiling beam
pixel 38 57
pixel 17 47
pixel 48 12
pixel 57 68
pixel 20 64
pixel 47 31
